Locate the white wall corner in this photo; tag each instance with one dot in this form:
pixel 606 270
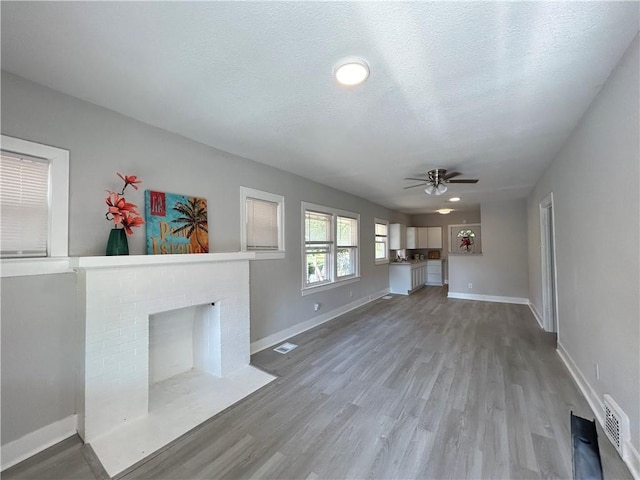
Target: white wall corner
pixel 299 328
pixel 488 298
pixel 35 442
pixel 536 314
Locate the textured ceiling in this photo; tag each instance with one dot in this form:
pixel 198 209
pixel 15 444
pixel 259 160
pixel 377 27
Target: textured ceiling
pixel 490 89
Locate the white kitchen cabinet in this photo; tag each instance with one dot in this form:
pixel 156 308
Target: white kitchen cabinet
pixel 407 277
pixel 434 272
pixel 397 236
pixel 424 237
pixel 412 237
pixel 434 237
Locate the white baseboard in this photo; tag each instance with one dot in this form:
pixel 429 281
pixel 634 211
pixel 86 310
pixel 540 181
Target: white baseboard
pixel 488 298
pixel 35 442
pixel 631 457
pixel 587 390
pixel 633 461
pixel 536 314
pixel 297 329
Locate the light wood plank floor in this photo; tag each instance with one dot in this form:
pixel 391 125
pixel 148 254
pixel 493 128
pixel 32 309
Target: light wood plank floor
pixel 412 387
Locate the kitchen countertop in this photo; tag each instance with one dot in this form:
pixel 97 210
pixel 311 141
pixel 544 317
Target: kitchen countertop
pixel 416 262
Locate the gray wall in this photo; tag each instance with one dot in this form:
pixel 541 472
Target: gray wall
pixel 101 143
pixel 595 182
pixel 501 269
pixel 41 352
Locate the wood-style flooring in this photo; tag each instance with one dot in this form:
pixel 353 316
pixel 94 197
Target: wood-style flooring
pixel 413 387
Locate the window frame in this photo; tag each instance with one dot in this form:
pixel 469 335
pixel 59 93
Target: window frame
pixel 385 260
pixel 247 193
pixel 58 231
pixel 334 281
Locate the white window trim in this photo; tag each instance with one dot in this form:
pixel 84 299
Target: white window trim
pixel 337 282
pixel 58 242
pixel 385 260
pixel 247 192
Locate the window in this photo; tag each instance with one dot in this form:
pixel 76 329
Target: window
pixel 381 241
pixel 34 199
pixel 330 248
pixel 262 221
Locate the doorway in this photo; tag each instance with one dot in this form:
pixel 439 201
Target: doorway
pixel 548 254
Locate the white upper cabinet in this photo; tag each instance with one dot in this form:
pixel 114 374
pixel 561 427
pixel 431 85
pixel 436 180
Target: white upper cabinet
pixel 397 236
pixel 424 237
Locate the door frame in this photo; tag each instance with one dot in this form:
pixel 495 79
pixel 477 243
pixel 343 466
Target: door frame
pixel 549 265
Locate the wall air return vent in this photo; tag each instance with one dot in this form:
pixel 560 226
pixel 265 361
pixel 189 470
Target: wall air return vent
pixel 616 424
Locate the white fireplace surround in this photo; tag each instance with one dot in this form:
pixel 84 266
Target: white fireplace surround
pixel 117 296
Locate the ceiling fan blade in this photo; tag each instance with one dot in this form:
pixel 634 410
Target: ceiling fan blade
pixel 417 179
pixel 413 186
pixel 464 180
pixel 451 175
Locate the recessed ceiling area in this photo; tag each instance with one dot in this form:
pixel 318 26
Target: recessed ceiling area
pixel 491 89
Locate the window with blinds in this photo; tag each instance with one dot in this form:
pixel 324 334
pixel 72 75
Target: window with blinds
pixel 262 221
pixel 262 224
pixel 24 205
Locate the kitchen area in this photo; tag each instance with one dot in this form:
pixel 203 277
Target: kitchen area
pixel 416 258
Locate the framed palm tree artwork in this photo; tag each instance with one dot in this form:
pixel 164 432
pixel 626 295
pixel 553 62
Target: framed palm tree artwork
pixel 175 223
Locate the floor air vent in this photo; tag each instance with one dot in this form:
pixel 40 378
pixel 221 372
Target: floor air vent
pixel 387 297
pixel 616 424
pixel 285 348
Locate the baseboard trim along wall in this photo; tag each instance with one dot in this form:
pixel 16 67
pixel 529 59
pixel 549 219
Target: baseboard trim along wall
pixel 632 460
pixel 35 442
pixel 488 298
pixel 537 315
pixel 299 328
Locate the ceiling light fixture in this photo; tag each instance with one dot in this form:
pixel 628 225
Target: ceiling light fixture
pixel 454 199
pixel 351 73
pixel 444 211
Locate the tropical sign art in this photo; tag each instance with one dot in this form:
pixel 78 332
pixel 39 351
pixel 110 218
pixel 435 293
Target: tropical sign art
pixel 175 223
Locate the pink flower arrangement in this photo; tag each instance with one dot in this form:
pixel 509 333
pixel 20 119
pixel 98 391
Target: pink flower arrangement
pixel 119 210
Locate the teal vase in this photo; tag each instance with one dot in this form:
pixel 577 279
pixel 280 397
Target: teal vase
pixel 117 244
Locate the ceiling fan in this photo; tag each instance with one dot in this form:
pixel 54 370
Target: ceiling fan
pixel 437 180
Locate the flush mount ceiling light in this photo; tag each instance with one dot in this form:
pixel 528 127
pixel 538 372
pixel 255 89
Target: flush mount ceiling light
pixel 444 211
pixel 352 72
pixel 454 199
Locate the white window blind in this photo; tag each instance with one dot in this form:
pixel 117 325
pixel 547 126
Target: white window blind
pixel 24 205
pixel 262 225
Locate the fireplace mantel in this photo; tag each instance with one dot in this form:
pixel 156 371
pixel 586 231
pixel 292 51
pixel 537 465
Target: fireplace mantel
pixel 86 263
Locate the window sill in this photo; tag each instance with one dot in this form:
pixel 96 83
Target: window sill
pixel 382 262
pixel 25 267
pixel 329 286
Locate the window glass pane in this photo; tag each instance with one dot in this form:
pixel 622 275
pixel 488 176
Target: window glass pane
pixel 262 225
pixel 347 232
pixel 317 227
pixel 381 229
pixel 318 268
pixel 381 250
pixel 24 205
pixel 346 261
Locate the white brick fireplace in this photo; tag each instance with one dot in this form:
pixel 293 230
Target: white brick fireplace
pixel 206 370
